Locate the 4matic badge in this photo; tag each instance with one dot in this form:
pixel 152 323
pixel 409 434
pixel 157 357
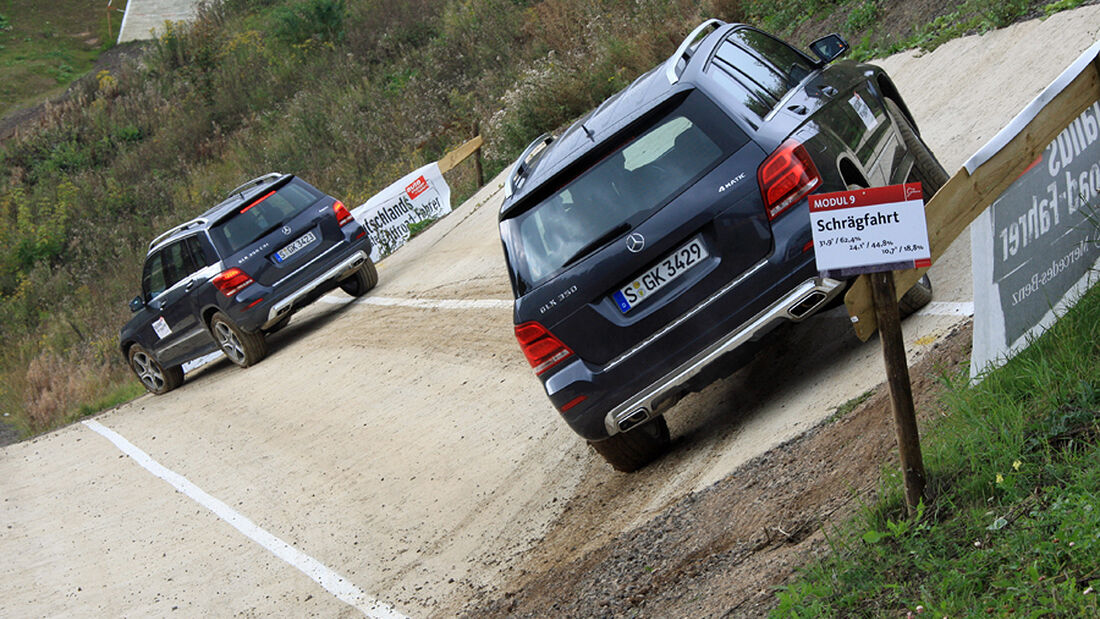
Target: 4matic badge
pixel 731 182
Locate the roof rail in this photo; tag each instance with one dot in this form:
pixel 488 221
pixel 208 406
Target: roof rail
pixel 687 48
pixel 256 182
pixel 198 221
pixel 523 164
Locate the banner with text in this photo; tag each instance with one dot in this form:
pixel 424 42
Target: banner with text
pixel 1036 249
pixel 421 195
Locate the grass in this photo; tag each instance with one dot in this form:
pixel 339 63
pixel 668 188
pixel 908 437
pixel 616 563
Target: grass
pixel 844 409
pixel 1013 526
pixel 45 46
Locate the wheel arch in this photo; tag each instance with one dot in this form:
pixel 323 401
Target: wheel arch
pixel 889 91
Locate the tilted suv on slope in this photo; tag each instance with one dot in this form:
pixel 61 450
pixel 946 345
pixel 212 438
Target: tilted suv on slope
pixel 669 228
pixel 237 272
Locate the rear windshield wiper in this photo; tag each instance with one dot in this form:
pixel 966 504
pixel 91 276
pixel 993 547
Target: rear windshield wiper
pixel 600 242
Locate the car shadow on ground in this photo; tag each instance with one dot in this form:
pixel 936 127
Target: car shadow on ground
pixel 791 357
pixel 301 326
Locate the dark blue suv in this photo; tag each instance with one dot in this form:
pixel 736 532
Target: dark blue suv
pixel 656 241
pixel 237 272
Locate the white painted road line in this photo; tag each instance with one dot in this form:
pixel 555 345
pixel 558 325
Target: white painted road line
pixel 424 303
pixel 334 583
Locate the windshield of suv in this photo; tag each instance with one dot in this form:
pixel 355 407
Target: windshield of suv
pixel 261 216
pixel 618 192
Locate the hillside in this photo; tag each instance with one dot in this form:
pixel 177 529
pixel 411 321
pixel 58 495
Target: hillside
pixel 348 95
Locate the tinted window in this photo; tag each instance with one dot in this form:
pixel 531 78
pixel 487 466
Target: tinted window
pixel 756 70
pixel 621 189
pixel 737 86
pixel 198 252
pixel 259 217
pixel 791 64
pixel 165 268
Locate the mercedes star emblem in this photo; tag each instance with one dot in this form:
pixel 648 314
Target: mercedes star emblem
pixel 635 242
pixel 287 230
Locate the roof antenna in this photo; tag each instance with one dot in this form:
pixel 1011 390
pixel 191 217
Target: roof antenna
pixel 591 136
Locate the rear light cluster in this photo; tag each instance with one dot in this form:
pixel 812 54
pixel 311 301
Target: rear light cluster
pixel 542 349
pixel 343 217
pixel 231 281
pixel 786 176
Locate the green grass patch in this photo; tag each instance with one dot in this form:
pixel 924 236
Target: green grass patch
pixel 45 46
pixel 1013 526
pixel 120 394
pixel 844 409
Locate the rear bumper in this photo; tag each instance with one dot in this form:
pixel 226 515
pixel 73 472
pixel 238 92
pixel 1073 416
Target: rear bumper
pixel 797 304
pixel 285 306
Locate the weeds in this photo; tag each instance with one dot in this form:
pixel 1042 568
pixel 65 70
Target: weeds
pixel 1012 528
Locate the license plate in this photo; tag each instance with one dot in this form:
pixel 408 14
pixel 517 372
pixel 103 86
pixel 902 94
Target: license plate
pixel 294 246
pixel 660 275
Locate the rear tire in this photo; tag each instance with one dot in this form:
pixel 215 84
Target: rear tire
pixel 916 297
pixel 152 375
pixel 926 168
pixel 243 348
pixel 361 281
pixel 630 451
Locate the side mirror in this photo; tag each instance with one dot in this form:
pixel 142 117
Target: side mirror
pixel 829 47
pixel 137 304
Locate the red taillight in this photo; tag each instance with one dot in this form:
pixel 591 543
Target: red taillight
pixel 232 281
pixel 786 176
pixel 542 349
pixel 342 214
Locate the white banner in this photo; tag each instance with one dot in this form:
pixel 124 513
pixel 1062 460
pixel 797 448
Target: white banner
pixel 419 196
pixel 1036 249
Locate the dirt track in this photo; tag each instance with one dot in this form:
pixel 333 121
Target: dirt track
pixel 411 451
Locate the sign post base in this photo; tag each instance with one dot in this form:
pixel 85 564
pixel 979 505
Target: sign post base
pixel 901 391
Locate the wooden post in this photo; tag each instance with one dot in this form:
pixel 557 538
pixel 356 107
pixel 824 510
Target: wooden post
pixel 477 160
pixel 901 391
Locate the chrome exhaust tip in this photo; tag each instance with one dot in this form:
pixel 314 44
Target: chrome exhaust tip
pixel 807 304
pixel 632 419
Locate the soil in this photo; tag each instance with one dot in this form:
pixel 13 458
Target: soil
pixel 725 550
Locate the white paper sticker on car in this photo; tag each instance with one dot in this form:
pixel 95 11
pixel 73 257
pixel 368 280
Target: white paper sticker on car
pixel 160 325
pixel 864 111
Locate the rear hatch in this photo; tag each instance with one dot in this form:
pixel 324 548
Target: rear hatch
pixel 278 231
pixel 637 235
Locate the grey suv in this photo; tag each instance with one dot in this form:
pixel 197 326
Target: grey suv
pixel 237 272
pixel 655 242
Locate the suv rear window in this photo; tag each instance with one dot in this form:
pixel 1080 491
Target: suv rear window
pixel 261 216
pixel 636 178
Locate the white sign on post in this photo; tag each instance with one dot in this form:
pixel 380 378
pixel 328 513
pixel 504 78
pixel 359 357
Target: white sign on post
pixel 870 230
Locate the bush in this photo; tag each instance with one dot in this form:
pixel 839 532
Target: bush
pixel 319 20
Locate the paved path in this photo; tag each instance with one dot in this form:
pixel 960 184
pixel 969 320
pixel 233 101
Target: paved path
pixel 144 19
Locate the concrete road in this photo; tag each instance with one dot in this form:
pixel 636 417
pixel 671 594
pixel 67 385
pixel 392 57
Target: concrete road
pixel 144 19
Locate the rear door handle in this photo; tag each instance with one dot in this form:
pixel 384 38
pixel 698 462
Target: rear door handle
pixel 828 91
pixel 189 286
